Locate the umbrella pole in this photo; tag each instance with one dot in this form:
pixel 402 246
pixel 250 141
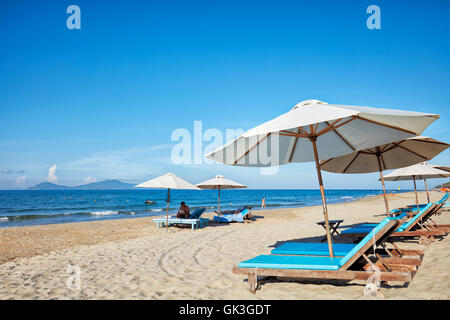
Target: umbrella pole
pixel 322 193
pixel 426 187
pixel 218 206
pixel 415 190
pixel 384 187
pixel 167 212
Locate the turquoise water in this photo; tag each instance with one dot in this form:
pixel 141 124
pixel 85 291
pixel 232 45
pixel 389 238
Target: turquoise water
pixel 33 207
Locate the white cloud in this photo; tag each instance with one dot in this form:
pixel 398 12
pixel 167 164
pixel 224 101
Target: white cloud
pixel 89 180
pixel 51 174
pixel 21 180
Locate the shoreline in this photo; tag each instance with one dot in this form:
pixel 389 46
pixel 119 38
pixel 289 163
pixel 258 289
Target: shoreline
pixel 119 215
pixel 132 259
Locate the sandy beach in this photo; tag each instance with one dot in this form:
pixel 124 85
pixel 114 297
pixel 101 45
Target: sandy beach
pixel 132 259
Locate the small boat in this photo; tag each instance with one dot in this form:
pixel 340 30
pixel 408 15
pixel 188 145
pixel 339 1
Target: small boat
pixel 150 202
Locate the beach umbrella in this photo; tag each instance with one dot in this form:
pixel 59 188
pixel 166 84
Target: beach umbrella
pixel 167 181
pixel 220 182
pixel 314 130
pixel 420 171
pixel 388 156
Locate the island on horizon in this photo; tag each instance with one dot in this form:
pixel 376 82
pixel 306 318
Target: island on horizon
pixel 100 185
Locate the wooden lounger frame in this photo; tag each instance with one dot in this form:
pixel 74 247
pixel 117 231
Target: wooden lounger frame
pixel 394 268
pixel 425 228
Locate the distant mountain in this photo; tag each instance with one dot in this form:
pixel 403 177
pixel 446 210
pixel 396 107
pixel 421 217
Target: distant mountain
pixel 101 185
pixel 105 185
pixel 48 186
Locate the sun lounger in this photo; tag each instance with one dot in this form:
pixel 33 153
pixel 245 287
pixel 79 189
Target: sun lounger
pixel 194 220
pixel 231 217
pixel 341 249
pixel 413 207
pixel 420 225
pixel 354 265
pixel 195 214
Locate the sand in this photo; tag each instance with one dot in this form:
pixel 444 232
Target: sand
pixel 132 259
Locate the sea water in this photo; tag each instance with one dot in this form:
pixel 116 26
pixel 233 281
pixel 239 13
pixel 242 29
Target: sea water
pixel 35 207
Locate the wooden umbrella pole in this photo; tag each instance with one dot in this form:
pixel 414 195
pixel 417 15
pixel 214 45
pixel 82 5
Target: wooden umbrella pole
pixel 322 193
pixel 426 187
pixel 167 212
pixel 218 204
pixel 415 190
pixel 384 188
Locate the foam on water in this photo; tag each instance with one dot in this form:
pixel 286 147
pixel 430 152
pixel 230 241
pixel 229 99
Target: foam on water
pixel 104 213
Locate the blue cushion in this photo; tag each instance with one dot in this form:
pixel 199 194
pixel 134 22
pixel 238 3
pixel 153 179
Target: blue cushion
pixel 312 249
pixel 357 230
pixel 366 227
pixel 406 225
pixel 365 240
pixel 197 213
pixel 443 199
pixel 292 262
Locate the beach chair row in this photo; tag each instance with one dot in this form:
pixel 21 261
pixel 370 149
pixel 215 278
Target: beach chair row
pixel 374 255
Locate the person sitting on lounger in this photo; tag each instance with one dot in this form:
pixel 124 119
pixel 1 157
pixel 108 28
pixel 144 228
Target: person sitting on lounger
pixel 183 212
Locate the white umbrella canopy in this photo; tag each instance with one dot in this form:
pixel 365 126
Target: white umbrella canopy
pixel 420 171
pixel 388 156
pixel 220 182
pixel 314 130
pixel 338 129
pixel 167 181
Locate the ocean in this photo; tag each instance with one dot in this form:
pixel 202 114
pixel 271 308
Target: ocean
pixel 35 207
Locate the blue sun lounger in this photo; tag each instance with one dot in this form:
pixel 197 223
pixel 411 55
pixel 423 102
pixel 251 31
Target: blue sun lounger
pixel 348 267
pixel 364 228
pixel 312 249
pixel 194 220
pixel 413 207
pixel 231 217
pixel 339 249
pixel 420 225
pixel 321 249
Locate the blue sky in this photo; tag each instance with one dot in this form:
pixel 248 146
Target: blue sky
pixel 103 101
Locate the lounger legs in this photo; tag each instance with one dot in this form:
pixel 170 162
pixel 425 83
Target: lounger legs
pixel 253 283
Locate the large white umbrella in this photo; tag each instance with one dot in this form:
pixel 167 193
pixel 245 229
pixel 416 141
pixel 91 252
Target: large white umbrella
pixel 314 130
pixel 388 156
pixel 420 171
pixel 220 182
pixel 169 181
